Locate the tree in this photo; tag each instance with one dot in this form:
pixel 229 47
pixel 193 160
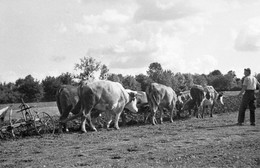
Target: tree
pixel 188 81
pixel 50 86
pixel 231 80
pixel 200 79
pixel 215 73
pixel 129 82
pixel 155 71
pixel 104 72
pixel 144 80
pixel 87 67
pixel 8 93
pixel 180 82
pixel 166 78
pixel 30 89
pixel 220 83
pixel 114 77
pixel 66 79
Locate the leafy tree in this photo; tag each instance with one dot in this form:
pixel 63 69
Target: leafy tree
pixel 8 93
pixel 87 66
pixel 231 80
pixel 66 79
pixel 215 73
pixel 200 79
pixel 50 85
pixel 144 80
pixel 155 71
pixel 30 89
pixel 104 72
pixel 114 77
pixel 129 82
pixel 188 81
pixel 220 83
pixel 166 78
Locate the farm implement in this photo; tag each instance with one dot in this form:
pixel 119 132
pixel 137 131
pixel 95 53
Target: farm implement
pixel 30 122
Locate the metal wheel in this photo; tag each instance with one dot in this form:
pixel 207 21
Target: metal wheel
pixel 44 123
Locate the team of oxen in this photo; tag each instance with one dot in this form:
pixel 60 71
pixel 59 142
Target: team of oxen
pixel 90 100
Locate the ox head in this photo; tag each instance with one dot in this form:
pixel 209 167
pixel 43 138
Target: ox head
pixel 182 102
pixel 132 104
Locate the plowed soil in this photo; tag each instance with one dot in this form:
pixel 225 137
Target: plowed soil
pixel 188 142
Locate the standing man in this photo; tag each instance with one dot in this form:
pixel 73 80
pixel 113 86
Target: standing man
pixel 248 99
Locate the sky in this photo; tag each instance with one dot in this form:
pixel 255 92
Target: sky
pixel 48 37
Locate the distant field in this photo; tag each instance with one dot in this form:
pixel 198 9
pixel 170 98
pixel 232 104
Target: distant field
pixel 49 107
pixel 231 93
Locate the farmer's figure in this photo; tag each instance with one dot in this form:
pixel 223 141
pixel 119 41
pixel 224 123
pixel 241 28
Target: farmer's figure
pixel 249 98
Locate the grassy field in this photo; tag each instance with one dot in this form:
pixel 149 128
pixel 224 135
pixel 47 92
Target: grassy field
pixel 209 142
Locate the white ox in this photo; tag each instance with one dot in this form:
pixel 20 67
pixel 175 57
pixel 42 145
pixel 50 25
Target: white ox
pixel 142 105
pixel 106 96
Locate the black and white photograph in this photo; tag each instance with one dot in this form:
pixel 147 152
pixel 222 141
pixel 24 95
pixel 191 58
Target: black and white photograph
pixel 130 83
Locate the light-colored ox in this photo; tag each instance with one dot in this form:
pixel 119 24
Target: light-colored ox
pixel 107 96
pixel 142 105
pixel 161 97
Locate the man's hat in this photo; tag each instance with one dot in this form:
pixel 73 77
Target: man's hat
pixel 248 70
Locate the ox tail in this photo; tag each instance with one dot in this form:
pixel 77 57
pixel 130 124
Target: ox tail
pixel 59 90
pixel 153 96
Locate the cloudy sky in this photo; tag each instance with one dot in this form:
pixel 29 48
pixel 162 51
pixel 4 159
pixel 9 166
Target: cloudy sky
pixel 48 37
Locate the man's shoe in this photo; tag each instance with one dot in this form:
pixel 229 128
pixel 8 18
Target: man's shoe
pixel 239 124
pixel 253 124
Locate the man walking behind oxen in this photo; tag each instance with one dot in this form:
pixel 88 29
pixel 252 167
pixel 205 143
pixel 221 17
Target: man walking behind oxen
pixel 248 88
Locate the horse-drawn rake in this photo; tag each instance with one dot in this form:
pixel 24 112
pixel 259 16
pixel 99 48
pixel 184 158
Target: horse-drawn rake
pixel 29 123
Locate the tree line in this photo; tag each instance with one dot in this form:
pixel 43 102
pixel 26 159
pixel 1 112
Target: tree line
pixel 32 90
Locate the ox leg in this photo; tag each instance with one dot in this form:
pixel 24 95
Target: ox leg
pixel 161 115
pixel 196 112
pixel 63 116
pixel 154 119
pixel 211 110
pixel 83 124
pixel 146 116
pixel 171 115
pixel 98 120
pixel 203 111
pixel 88 116
pixel 123 117
pixel 154 109
pixel 117 118
pixel 108 118
pixel 190 112
pixel 116 121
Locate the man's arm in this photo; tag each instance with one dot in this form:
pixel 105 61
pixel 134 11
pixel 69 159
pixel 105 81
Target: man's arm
pixel 242 90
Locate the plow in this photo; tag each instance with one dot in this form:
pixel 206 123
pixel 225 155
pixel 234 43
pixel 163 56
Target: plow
pixel 29 121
